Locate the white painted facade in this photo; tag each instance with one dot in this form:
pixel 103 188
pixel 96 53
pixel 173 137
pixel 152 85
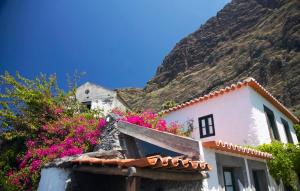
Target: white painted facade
pixel 53 179
pixel 260 122
pixel 211 183
pixel 238 118
pixel 99 98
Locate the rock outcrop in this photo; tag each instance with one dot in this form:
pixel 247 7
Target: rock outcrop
pixel 258 38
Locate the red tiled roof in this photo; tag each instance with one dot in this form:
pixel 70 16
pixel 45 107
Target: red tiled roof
pixel 231 148
pixel 251 82
pixel 174 163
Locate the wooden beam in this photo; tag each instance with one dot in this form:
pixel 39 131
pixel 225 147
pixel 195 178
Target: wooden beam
pixel 132 183
pixel 154 174
pixel 175 143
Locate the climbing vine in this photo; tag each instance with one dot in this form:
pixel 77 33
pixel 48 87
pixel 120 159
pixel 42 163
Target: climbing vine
pixel 285 164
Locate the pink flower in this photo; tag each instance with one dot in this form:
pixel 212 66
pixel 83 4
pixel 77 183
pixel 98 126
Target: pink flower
pixel 35 165
pixel 71 151
pixel 161 125
pixel 10 173
pixel 135 120
pixel 30 143
pixel 81 129
pixel 58 111
pixel 101 123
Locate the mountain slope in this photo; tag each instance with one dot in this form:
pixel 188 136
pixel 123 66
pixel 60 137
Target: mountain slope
pixel 258 38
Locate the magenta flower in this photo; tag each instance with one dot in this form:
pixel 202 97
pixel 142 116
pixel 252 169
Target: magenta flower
pixel 101 123
pixel 35 165
pixel 58 111
pixel 30 143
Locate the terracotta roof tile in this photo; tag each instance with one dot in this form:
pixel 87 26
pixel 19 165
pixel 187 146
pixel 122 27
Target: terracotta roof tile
pixel 251 82
pixel 153 162
pixel 231 148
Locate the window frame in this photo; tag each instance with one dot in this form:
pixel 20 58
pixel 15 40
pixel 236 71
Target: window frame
pixel 272 126
pixel 255 180
pixel 208 134
pixel 287 131
pixel 231 170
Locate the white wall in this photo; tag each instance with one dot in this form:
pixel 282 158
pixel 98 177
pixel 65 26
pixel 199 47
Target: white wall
pixel 212 182
pixel 53 179
pixel 239 118
pixel 231 113
pixel 106 107
pixel 260 120
pixel 101 98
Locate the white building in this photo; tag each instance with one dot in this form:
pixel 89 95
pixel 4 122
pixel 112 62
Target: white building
pixel 245 114
pixel 99 98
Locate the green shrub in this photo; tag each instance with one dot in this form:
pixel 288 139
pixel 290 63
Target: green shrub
pixel 285 163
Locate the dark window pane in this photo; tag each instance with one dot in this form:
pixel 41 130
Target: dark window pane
pixel 206 126
pixel 228 179
pixel 229 188
pixel 271 123
pixel 88 104
pixel 287 130
pixel 260 180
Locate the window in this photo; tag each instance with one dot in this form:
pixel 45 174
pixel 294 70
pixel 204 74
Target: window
pixel 271 123
pixel 206 126
pixel 228 179
pixel 88 104
pixel 260 180
pixel 287 130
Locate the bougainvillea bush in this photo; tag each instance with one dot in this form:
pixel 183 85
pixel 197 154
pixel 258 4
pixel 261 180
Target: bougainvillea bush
pixel 65 137
pixel 71 136
pixel 39 123
pixel 153 120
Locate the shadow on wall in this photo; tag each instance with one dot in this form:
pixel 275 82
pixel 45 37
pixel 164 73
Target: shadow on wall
pixel 82 181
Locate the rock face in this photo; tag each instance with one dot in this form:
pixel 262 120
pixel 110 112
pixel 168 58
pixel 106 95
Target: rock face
pixel 257 38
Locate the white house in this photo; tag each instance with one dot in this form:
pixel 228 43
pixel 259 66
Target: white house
pixel 97 97
pixel 244 113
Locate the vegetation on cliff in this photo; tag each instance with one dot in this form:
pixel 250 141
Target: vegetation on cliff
pixel 257 38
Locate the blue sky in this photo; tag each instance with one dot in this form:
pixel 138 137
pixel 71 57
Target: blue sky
pixel 118 43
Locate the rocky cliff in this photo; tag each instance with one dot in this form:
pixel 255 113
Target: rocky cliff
pixel 258 38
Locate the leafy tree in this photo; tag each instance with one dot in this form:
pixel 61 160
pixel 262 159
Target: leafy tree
pixel 26 104
pixel 285 163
